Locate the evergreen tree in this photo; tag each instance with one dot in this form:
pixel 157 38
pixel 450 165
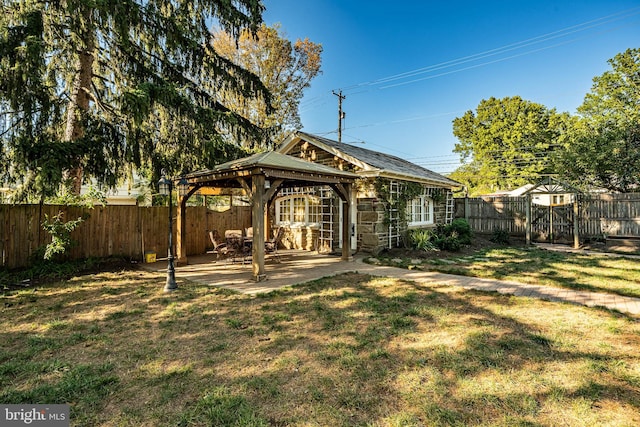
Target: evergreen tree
pixel 96 88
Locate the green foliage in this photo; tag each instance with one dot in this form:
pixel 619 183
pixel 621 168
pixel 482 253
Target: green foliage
pixel 450 237
pixel 507 143
pixel 60 232
pixel 96 89
pixel 407 192
pixel 220 407
pixel 285 68
pixel 87 200
pixel 602 147
pixel 500 236
pixel 423 240
pixel 460 229
pixel 449 243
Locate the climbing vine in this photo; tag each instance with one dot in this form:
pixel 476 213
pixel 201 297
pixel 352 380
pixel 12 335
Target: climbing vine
pixel 407 191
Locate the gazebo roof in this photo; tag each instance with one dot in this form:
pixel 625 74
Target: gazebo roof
pixel 272 165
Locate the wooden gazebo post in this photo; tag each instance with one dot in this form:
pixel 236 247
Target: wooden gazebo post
pixel 181 227
pixel 257 220
pixel 344 191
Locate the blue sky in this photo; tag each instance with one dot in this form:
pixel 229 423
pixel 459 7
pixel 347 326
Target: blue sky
pixel 409 68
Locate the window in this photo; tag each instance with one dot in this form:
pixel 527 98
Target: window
pixel 298 210
pixel 420 211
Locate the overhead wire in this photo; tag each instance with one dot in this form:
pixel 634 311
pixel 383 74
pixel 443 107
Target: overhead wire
pixel 509 47
pixel 399 79
pixel 369 85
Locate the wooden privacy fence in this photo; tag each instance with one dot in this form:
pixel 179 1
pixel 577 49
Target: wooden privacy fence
pixel 599 215
pixel 127 231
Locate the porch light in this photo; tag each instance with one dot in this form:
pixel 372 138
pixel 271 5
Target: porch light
pixel 267 184
pixel 183 187
pixel 164 185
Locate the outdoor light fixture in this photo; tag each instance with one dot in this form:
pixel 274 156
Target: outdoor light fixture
pixel 165 186
pixel 267 184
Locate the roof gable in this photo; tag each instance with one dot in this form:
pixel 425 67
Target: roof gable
pixel 370 162
pixel 273 160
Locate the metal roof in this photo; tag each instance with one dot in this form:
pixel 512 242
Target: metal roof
pixel 371 162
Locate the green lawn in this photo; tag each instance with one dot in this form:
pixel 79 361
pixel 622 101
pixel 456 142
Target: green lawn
pixel 597 273
pixel 352 350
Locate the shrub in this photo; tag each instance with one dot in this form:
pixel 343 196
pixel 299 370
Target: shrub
pixel 449 243
pixel 423 240
pixel 449 237
pixel 500 236
pixel 461 229
pixel 453 236
pixel 60 231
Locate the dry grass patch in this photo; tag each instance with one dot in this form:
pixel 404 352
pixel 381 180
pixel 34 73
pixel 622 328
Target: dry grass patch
pixel 594 272
pixel 347 350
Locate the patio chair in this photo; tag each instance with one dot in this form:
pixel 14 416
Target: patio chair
pixel 219 247
pixel 236 246
pixel 271 246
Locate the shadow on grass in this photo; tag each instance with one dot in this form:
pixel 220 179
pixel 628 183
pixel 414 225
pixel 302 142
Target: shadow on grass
pixel 348 350
pixel 593 273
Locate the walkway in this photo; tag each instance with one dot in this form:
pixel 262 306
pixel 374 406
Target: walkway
pixel 300 266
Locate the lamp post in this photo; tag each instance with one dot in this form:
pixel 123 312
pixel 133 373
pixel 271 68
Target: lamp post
pixel 165 186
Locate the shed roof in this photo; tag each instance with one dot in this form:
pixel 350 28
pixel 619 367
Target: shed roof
pixel 371 163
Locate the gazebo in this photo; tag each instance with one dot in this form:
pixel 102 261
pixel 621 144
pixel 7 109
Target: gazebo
pixel 261 176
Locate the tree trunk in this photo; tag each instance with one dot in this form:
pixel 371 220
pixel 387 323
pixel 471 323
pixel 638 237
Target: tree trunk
pixel 79 104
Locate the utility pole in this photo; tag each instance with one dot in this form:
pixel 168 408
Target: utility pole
pixel 341 114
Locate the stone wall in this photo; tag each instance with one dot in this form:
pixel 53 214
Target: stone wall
pixel 302 238
pixel 372 233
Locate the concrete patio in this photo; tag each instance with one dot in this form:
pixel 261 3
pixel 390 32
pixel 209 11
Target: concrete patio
pixel 297 267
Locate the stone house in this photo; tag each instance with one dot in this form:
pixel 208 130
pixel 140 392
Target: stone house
pixel 391 196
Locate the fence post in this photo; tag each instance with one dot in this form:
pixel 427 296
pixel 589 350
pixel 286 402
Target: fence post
pixel 466 208
pixel 528 224
pixel 576 219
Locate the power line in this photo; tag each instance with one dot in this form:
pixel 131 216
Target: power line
pixel 509 47
pixel 368 85
pixel 307 104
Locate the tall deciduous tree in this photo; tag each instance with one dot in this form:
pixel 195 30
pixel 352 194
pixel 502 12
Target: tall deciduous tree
pixel 285 68
pixel 603 148
pixel 508 141
pixel 94 88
